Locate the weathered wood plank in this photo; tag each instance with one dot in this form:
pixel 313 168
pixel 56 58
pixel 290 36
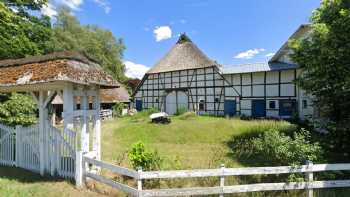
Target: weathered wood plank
pixel 119 186
pixel 246 188
pixel 241 171
pixel 183 191
pixel 113 168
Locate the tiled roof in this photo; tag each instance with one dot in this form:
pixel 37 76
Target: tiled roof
pixel 258 67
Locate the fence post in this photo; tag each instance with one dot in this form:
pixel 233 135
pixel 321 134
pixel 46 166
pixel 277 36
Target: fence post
pixel 139 182
pixel 79 169
pixel 309 178
pixel 222 179
pixel 18 145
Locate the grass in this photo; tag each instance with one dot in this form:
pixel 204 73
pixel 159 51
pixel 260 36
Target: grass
pixel 196 142
pixel 188 142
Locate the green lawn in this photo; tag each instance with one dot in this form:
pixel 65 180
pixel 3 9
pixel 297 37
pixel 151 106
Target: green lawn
pixel 192 142
pixel 196 142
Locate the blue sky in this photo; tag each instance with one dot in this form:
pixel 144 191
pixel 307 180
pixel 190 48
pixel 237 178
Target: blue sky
pixel 229 31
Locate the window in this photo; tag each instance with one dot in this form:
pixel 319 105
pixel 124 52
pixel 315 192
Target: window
pixel 287 107
pixel 272 104
pixel 304 104
pixel 201 105
pixel 217 100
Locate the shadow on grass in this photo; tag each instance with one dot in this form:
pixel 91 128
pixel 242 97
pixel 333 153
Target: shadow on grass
pixel 25 176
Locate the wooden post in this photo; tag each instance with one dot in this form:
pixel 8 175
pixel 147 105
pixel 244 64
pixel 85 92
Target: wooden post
pixel 79 169
pixel 41 132
pixel 85 138
pixel 139 182
pixel 309 178
pixel 222 179
pixel 97 125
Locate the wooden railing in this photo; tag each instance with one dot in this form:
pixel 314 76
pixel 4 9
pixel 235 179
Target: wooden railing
pixel 221 172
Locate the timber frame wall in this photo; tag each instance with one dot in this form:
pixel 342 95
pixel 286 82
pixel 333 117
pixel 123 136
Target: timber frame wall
pixel 270 86
pixel 203 84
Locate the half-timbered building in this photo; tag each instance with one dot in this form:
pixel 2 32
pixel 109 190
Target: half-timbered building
pixel 186 79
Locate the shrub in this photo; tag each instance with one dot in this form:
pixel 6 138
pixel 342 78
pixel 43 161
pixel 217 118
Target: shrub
pixel 276 148
pixel 147 160
pixel 118 109
pixel 18 109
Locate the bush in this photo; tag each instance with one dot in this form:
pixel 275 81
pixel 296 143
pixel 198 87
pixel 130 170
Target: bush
pixel 18 109
pixel 147 160
pixel 276 148
pixel 118 109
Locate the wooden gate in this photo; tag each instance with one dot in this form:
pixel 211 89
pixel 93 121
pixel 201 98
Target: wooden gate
pixel 7 145
pixel 60 152
pixel 20 147
pixel 27 148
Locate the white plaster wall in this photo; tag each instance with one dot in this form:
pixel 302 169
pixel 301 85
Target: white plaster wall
pixel 287 89
pixel 236 78
pixel 287 76
pixel 246 79
pixel 258 78
pixel 272 77
pixel 272 90
pixel 246 104
pixel 246 91
pixel 246 112
pixel 258 90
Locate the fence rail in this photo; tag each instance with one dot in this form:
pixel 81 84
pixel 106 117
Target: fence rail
pixel 221 172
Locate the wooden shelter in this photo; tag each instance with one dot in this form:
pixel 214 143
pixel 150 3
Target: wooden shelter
pixel 74 77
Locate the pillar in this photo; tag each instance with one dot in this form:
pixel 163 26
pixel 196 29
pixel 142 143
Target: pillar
pixel 97 125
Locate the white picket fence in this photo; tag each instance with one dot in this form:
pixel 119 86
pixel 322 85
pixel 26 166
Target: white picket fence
pixel 55 152
pixel 221 173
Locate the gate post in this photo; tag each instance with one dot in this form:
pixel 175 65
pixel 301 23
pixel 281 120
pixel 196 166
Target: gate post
pixel 41 132
pixel 79 172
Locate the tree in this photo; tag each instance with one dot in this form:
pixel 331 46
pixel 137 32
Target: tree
pixel 324 57
pixel 98 44
pixel 22 33
pixel 17 109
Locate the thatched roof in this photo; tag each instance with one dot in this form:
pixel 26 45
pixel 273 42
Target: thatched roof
pixel 114 95
pixel 184 55
pixel 52 68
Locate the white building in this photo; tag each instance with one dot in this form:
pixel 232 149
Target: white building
pixel 187 79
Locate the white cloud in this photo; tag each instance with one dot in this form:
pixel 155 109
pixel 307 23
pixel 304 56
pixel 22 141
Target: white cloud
pixel 73 4
pixel 249 53
pixel 134 70
pixel 76 4
pixel 104 4
pixel 49 10
pixel 270 54
pixel 162 33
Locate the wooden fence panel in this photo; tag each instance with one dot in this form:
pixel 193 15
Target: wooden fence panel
pixel 221 173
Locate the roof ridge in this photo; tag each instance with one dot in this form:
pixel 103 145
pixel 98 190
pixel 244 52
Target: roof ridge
pixel 71 55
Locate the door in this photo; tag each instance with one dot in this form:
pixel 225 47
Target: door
pixel 230 107
pixel 139 105
pixel 259 108
pixel 176 101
